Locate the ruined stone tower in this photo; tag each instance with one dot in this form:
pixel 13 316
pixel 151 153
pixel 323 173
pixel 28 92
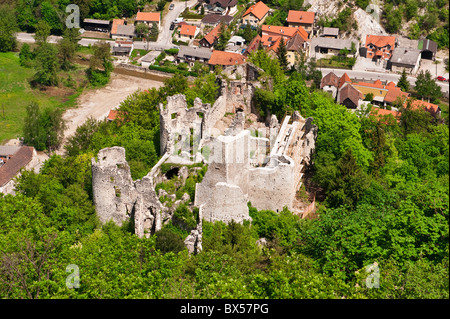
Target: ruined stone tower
pixel 118 198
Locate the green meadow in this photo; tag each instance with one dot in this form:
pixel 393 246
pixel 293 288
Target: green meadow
pixel 16 94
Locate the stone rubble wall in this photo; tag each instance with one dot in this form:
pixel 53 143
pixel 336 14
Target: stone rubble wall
pixel 118 198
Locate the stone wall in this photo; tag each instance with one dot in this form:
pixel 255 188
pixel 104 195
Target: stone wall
pixel 118 198
pixel 234 178
pixel 272 188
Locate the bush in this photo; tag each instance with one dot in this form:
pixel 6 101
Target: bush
pixel 171 51
pixel 183 218
pixel 168 241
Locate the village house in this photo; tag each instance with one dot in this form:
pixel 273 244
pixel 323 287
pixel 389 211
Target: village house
pixel 295 39
pixel 293 45
pixel 190 55
pixel 122 48
pixel 212 20
pixel 149 18
pixel 428 49
pixel 222 7
pixel 330 83
pixel 256 14
pixel 210 39
pixel 235 44
pixel 253 45
pixel 302 19
pixel 326 47
pixel 97 25
pixel 224 59
pixel 405 59
pixel 12 160
pixel 349 96
pixel 286 32
pixel 114 26
pixel 379 47
pixel 382 95
pixel 188 32
pixel 330 33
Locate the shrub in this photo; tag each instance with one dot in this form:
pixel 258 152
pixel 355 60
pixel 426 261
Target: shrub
pixel 168 240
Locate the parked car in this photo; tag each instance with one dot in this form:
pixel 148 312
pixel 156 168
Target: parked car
pixel 441 78
pixel 172 26
pixel 171 6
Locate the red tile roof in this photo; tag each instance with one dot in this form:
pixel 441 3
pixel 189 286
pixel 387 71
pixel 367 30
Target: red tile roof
pixel 148 16
pixel 300 17
pixel 19 160
pixel 213 35
pixel 115 24
pixel 284 31
pixel 259 10
pixel 394 93
pixel 226 58
pixel 330 79
pixel 349 92
pixel 377 84
pixel 429 107
pixel 188 30
pixel 380 41
pixel 380 113
pixel 392 84
pixel 112 115
pixel 344 78
pixel 275 45
pixel 253 45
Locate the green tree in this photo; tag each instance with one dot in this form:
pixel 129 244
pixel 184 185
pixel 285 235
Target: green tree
pixel 426 86
pixel 25 56
pixel 42 32
pixel 224 37
pixel 43 130
pixel 403 82
pixel 100 65
pixel 46 65
pixel 282 54
pixel 349 184
pixel 8 27
pixel 67 47
pixel 248 33
pixel 369 97
pixel 33 134
pixel 142 30
pixel 81 140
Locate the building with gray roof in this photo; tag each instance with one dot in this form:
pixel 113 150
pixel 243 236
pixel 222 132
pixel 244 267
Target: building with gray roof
pixel 405 58
pixel 191 54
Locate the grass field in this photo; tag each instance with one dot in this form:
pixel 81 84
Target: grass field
pixel 16 94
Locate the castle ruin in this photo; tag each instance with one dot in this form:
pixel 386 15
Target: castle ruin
pixel 242 166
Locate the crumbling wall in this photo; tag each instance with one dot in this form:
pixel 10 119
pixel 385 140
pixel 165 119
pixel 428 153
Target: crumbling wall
pixel 272 188
pixel 118 198
pixel 235 176
pixel 223 189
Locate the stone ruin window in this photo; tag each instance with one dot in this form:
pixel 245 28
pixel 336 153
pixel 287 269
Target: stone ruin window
pixel 117 191
pixel 173 116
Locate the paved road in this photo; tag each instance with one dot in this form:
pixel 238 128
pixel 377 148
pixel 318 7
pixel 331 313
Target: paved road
pixel 165 35
pixel 164 39
pixel 384 76
pixel 29 38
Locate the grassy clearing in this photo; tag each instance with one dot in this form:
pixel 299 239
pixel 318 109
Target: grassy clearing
pixel 16 94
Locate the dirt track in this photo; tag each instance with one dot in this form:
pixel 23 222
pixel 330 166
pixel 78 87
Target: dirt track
pixel 97 103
